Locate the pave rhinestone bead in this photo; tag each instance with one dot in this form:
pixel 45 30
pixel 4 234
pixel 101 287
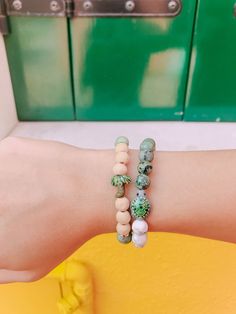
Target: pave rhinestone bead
pixel 140 207
pixel 144 167
pixel 142 182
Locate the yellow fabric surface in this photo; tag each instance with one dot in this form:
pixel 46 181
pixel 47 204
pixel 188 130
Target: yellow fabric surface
pixel 173 274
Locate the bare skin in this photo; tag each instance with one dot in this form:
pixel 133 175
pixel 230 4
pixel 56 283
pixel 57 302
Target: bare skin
pixel 54 197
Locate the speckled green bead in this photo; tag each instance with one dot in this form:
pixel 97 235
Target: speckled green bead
pixel 124 239
pixel 120 191
pixel 140 207
pixel 122 139
pixel 148 144
pixel 142 182
pixel 144 167
pixel 146 155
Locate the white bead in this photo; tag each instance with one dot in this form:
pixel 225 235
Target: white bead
pixel 139 226
pixel 139 240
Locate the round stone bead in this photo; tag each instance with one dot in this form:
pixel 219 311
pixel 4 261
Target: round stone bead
pixel 145 167
pixel 139 240
pixel 122 139
pixel 124 239
pixel 123 229
pixel 140 207
pixel 148 144
pixel 121 147
pixel 122 203
pixel 139 226
pixel 146 155
pixel 120 169
pixel 142 182
pixel 122 157
pixel 120 191
pixel 123 217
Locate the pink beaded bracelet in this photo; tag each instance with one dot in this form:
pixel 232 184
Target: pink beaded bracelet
pixel 120 179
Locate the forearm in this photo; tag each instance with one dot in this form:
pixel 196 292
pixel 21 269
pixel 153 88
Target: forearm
pixel 54 197
pixel 191 192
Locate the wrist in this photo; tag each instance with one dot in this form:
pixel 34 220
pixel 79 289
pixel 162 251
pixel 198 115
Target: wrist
pixel 94 196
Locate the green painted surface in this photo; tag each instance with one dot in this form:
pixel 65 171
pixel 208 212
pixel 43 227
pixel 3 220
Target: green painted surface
pixel 131 68
pixel 212 90
pixel 38 56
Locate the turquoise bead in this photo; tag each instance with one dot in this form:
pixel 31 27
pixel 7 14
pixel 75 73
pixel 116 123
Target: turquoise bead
pixel 124 239
pixel 148 144
pixel 140 207
pixel 122 139
pixel 146 155
pixel 144 167
pixel 142 182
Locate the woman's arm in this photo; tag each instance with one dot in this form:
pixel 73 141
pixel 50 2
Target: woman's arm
pixel 191 192
pixel 54 197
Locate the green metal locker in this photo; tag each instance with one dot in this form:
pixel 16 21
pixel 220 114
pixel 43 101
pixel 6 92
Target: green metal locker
pixel 70 62
pixel 38 55
pixel 211 92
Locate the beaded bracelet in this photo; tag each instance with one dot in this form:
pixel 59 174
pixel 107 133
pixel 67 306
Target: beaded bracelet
pixel 140 206
pixel 120 179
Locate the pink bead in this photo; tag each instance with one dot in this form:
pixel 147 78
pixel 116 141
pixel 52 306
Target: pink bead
pixel 123 217
pixel 123 229
pixel 122 203
pixel 122 147
pixel 122 157
pixel 119 169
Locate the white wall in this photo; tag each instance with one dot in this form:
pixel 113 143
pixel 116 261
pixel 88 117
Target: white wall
pixel 8 117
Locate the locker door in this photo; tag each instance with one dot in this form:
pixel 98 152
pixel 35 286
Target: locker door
pixel 211 90
pixel 130 68
pixel 38 57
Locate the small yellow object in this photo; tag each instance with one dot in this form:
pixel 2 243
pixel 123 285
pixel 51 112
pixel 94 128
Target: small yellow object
pixel 79 299
pixel 68 304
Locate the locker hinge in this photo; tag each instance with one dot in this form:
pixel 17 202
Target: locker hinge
pixel 99 8
pixel 69 8
pixel 4 25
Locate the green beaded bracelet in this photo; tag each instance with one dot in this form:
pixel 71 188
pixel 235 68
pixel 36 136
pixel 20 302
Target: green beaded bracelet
pixel 140 206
